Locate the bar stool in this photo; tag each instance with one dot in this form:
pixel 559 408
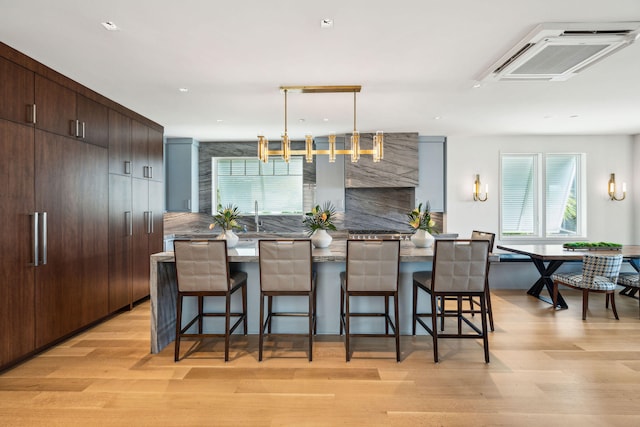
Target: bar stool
pixel 459 270
pixel 286 270
pixel 202 269
pixel 373 268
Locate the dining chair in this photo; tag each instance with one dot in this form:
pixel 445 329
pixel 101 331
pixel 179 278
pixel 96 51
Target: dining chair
pixel 372 270
pixel 202 270
pixel 286 270
pixel 630 280
pixel 599 274
pixel 460 269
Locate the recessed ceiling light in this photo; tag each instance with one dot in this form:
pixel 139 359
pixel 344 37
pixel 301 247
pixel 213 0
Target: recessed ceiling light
pixel 110 26
pixel 219 121
pixel 437 118
pixel 325 120
pixel 574 116
pixel 184 89
pixel 326 23
pixel 301 120
pixel 476 85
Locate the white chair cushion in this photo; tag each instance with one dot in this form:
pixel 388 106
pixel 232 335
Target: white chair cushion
pixel 629 279
pixel 599 283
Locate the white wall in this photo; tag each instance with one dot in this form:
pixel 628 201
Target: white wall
pixel 606 220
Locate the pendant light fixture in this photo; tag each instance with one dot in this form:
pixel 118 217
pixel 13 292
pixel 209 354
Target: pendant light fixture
pixel 377 151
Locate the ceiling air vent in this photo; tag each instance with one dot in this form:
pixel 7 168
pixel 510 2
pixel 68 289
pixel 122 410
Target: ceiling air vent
pixel 558 51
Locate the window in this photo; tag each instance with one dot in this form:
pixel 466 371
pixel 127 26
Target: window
pixel 276 185
pixel 541 196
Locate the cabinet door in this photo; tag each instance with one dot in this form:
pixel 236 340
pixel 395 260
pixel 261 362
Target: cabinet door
pixel 139 149
pixel 119 143
pixel 156 206
pixel 140 240
pixel 120 237
pixel 56 107
pixel 17 318
pixel 94 121
pixel 155 152
pixel 72 188
pixel 16 92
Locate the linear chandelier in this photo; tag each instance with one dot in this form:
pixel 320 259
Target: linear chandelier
pixel 285 145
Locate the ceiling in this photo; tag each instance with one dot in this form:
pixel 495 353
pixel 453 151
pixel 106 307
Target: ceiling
pixel 416 60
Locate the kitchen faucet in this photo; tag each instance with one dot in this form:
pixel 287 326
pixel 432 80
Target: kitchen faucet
pixel 257 217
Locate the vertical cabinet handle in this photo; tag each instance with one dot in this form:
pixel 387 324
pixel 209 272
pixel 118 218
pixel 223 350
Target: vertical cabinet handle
pixel 150 222
pixel 44 238
pixel 150 172
pixel 128 224
pixel 31 114
pixel 83 129
pixel 36 239
pixel 127 167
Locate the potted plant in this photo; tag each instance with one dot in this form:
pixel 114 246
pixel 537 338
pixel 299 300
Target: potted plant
pixel 317 222
pixel 227 219
pixel 421 223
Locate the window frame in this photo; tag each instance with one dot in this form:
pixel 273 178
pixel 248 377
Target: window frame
pixel 540 199
pixel 214 184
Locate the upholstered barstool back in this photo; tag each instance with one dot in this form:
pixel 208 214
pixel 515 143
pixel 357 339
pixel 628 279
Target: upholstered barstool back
pixel 286 269
pixel 372 265
pixel 285 265
pixel 484 235
pixel 599 274
pixel 460 266
pixel 202 265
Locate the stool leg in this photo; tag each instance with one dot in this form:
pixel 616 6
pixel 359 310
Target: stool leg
pixel 227 326
pixel 386 314
pixel 415 306
pixel 396 329
pixel 585 303
pixel 487 293
pixel 244 307
pixel 176 355
pixel 311 326
pixel 346 327
pixel 261 336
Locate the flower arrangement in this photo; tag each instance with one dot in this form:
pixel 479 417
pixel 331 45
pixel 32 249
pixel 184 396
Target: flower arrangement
pixel 421 219
pixel 320 219
pixel 226 218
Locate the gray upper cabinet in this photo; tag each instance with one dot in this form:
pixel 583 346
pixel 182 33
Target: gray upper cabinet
pixel 181 175
pixel 399 167
pixel 432 152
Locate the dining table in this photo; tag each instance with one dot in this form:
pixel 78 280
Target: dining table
pixel 547 258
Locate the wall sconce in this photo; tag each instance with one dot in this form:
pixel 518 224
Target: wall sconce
pixel 612 189
pixel 477 196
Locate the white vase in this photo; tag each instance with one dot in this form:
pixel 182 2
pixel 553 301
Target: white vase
pixel 422 239
pixel 321 239
pixel 230 237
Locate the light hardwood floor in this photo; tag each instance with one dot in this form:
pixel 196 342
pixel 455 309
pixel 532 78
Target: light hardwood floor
pixel 547 368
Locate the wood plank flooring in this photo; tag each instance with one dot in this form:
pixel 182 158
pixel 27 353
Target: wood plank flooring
pixel 547 368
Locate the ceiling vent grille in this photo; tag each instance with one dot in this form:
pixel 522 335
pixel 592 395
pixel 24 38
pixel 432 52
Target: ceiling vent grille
pixel 558 51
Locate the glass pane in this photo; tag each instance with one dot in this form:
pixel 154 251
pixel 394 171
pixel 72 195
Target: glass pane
pixel 518 200
pixel 224 167
pixel 275 194
pixel 561 194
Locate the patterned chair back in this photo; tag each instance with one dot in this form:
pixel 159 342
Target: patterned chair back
pixel 285 265
pixel 484 235
pixel 373 265
pixel 201 265
pixel 597 267
pixel 460 265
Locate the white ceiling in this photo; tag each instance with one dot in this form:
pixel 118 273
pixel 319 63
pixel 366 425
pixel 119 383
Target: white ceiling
pixel 415 59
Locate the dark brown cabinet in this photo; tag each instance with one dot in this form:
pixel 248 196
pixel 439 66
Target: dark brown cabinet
pixel 119 143
pixel 16 93
pixel 17 288
pixel 93 121
pixel 62 111
pixel 71 184
pixel 67 243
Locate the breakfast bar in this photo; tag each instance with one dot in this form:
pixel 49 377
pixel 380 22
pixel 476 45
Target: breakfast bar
pixel 328 263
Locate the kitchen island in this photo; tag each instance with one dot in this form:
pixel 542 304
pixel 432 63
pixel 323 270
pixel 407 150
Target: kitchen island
pixel 328 263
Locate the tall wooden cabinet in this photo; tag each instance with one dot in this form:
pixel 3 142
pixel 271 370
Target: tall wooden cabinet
pixel 148 203
pixel 66 235
pixel 17 272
